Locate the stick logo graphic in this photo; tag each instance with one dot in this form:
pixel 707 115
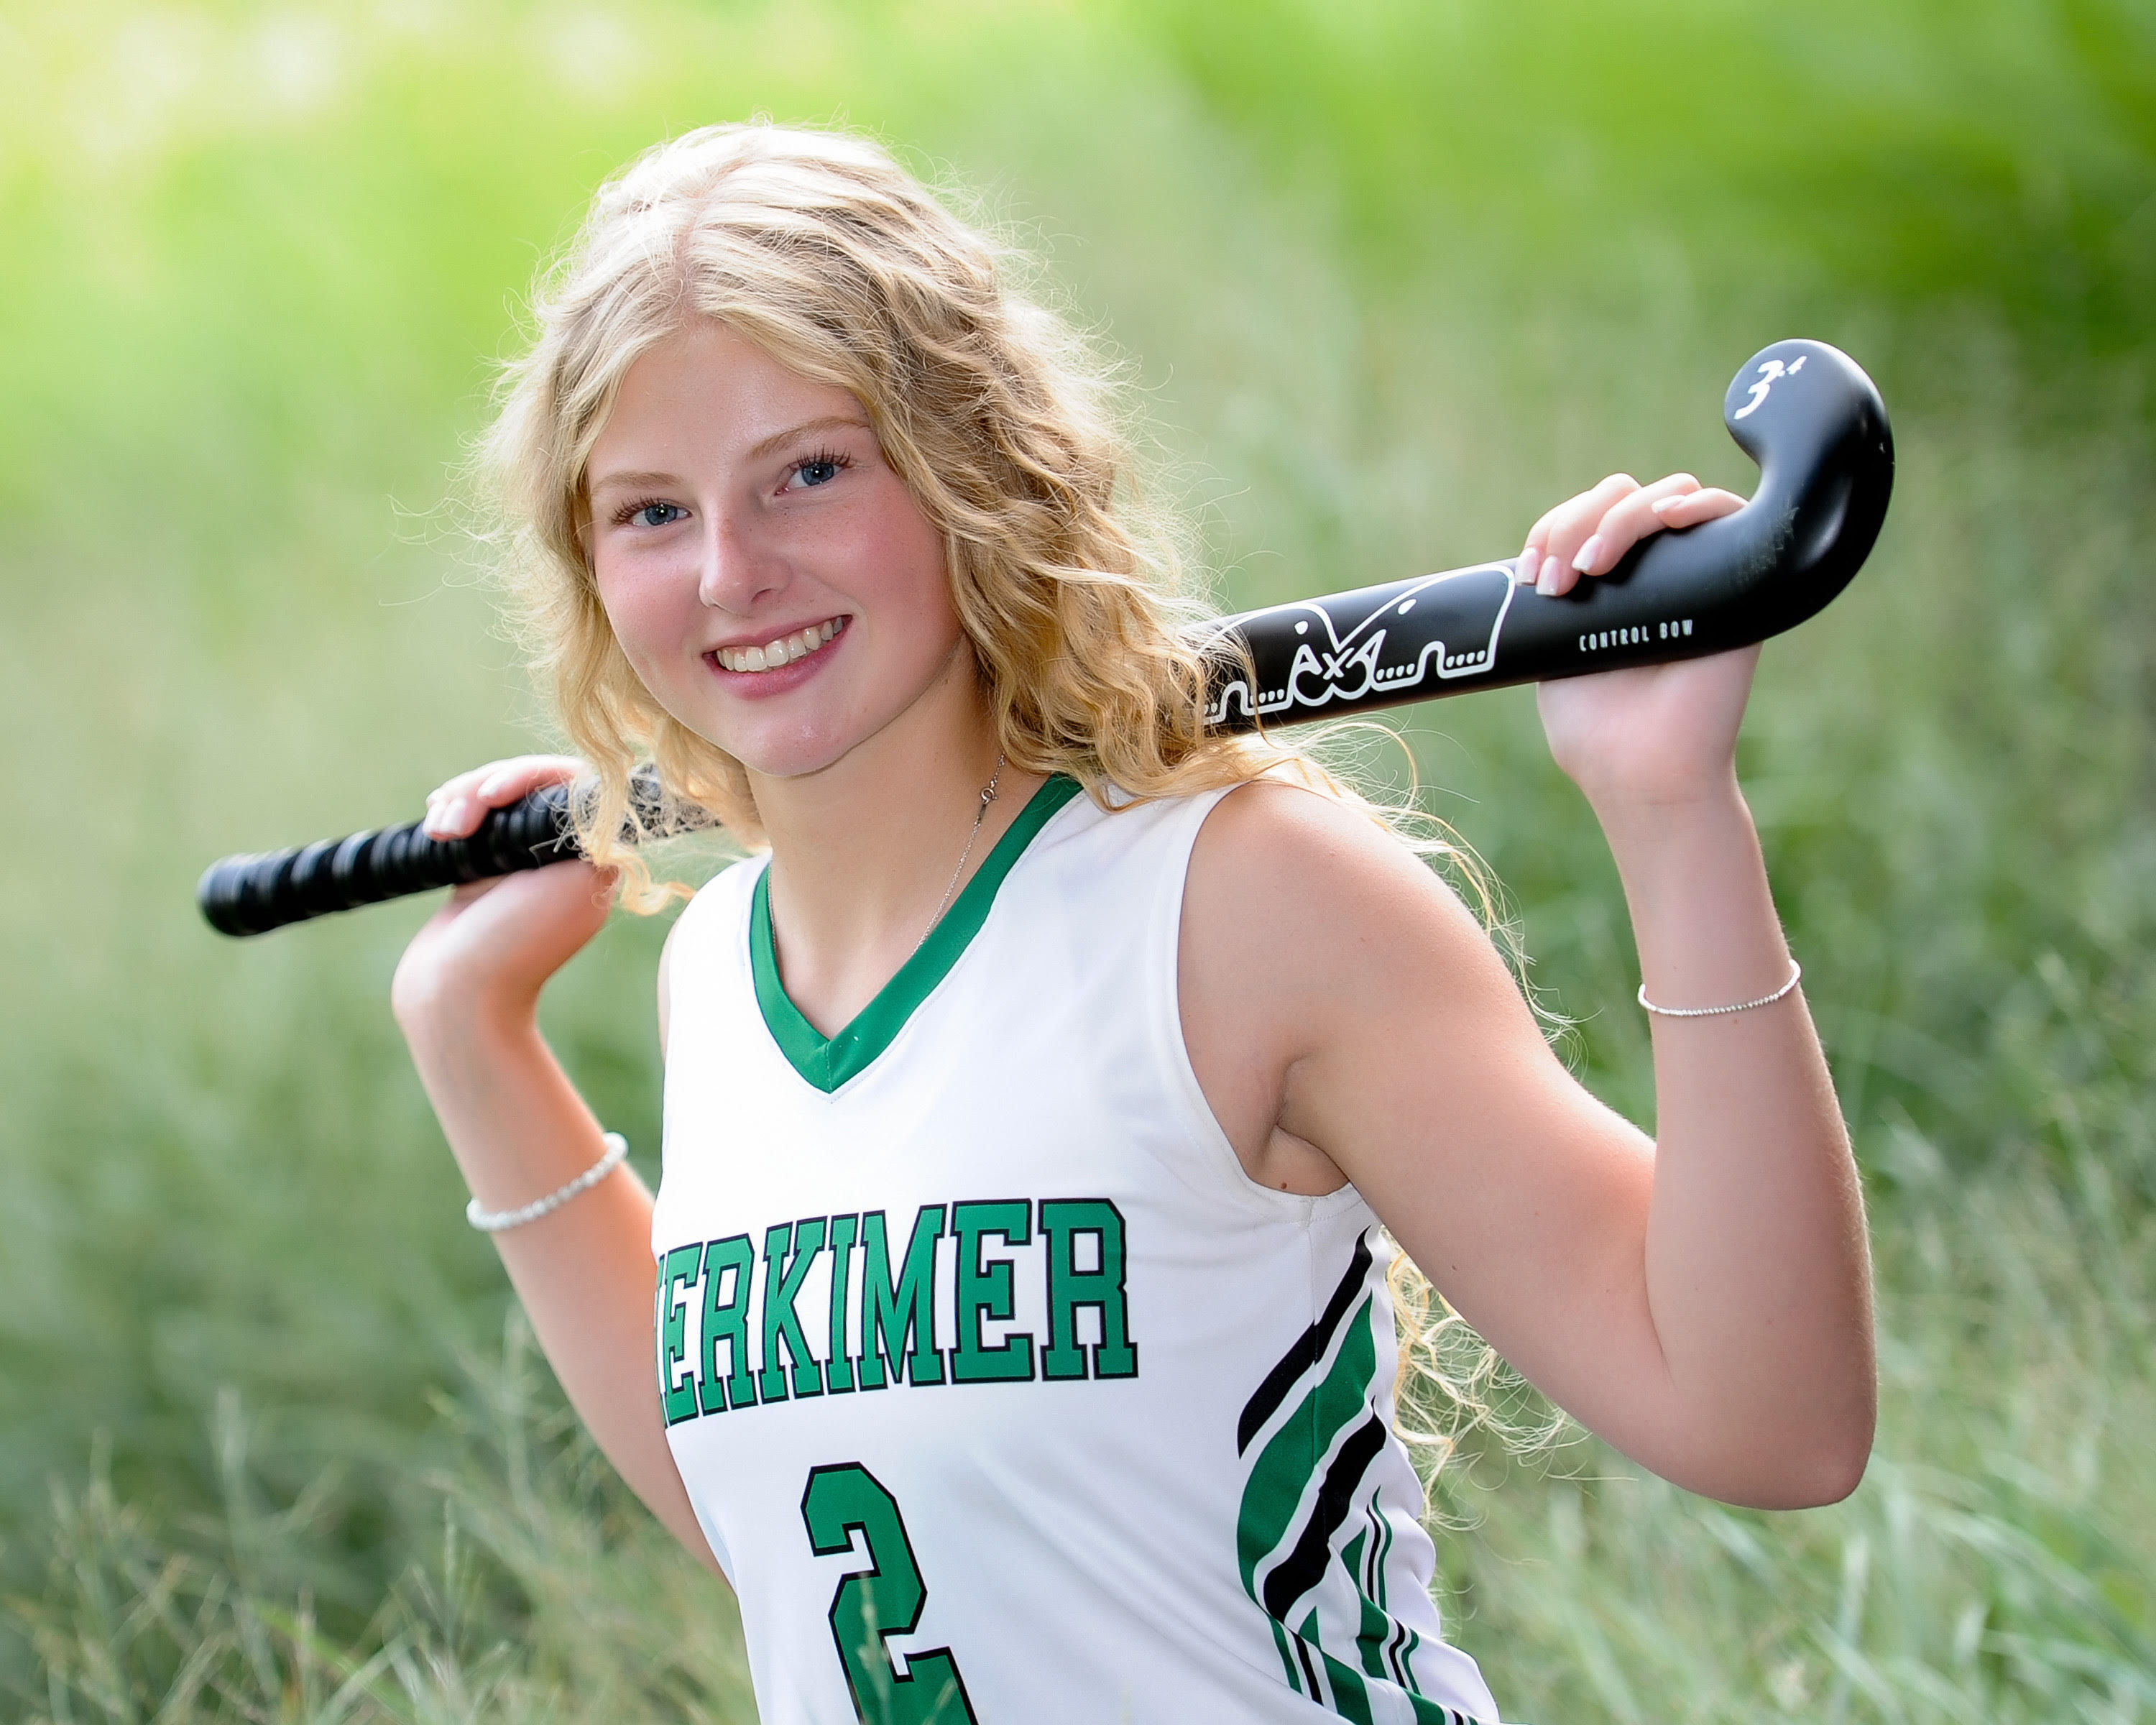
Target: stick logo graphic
pixel 1378 642
pixel 1769 372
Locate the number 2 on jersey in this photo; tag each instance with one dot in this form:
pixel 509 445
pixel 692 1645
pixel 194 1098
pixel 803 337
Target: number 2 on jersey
pixel 883 1601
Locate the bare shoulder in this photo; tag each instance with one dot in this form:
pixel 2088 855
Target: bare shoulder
pixel 1271 830
pixel 1300 885
pixel 1314 943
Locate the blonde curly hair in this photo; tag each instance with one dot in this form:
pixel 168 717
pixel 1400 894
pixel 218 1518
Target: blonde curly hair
pixel 821 250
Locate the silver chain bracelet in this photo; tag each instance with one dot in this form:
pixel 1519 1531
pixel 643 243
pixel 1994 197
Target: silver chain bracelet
pixel 1796 972
pixel 496 1221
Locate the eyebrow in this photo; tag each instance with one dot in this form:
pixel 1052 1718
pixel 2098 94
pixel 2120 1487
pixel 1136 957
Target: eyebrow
pixel 647 479
pixel 829 422
pixel 634 481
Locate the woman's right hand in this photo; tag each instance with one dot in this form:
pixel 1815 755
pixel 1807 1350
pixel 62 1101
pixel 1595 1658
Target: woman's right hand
pixel 492 947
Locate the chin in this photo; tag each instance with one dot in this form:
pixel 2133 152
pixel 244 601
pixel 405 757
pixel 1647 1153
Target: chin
pixel 791 756
pixel 771 749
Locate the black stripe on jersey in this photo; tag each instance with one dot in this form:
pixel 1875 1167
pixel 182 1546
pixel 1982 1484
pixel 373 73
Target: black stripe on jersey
pixel 1396 1655
pixel 1309 1668
pixel 1307 1351
pixel 1304 1567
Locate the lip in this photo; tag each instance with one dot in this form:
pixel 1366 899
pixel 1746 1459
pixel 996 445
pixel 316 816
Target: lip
pixel 779 680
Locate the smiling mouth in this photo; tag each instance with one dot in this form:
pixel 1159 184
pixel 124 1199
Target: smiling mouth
pixel 785 651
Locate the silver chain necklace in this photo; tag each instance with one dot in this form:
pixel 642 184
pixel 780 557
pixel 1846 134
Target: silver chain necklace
pixel 980 815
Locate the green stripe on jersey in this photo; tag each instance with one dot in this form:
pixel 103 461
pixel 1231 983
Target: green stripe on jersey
pixel 1303 1485
pixel 827 1062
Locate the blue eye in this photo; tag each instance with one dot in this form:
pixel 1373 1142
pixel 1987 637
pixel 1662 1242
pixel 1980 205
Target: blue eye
pixel 820 469
pixel 654 514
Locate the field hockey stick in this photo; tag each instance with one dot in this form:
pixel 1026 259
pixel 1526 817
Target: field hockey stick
pixel 1803 410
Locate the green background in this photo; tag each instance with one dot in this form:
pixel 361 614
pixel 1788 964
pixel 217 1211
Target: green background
pixel 1388 280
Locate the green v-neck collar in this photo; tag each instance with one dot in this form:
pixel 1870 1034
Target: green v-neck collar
pixel 827 1062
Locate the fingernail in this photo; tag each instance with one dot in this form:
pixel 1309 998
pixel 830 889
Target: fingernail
pixel 1546 584
pixel 1524 566
pixel 1587 554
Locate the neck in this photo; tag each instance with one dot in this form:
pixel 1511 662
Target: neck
pixel 862 850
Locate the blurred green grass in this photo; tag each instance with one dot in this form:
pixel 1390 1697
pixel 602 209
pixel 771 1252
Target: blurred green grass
pixel 1391 279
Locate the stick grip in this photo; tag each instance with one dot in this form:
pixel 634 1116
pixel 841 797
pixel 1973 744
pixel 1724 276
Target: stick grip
pixel 253 894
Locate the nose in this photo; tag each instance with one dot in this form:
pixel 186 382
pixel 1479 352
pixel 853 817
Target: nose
pixel 737 569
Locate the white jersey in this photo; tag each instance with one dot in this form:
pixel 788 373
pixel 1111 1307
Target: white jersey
pixel 1001 1392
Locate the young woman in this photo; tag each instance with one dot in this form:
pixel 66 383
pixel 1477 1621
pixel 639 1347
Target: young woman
pixel 1040 1103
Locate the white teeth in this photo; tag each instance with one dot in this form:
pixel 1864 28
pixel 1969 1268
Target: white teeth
pixel 783 651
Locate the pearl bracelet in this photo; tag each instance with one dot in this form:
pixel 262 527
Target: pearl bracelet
pixel 1796 971
pixel 496 1221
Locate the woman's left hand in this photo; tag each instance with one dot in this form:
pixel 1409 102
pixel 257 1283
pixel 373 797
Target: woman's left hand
pixel 1654 734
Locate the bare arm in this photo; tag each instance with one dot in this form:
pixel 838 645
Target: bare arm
pixel 467 996
pixel 1703 1301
